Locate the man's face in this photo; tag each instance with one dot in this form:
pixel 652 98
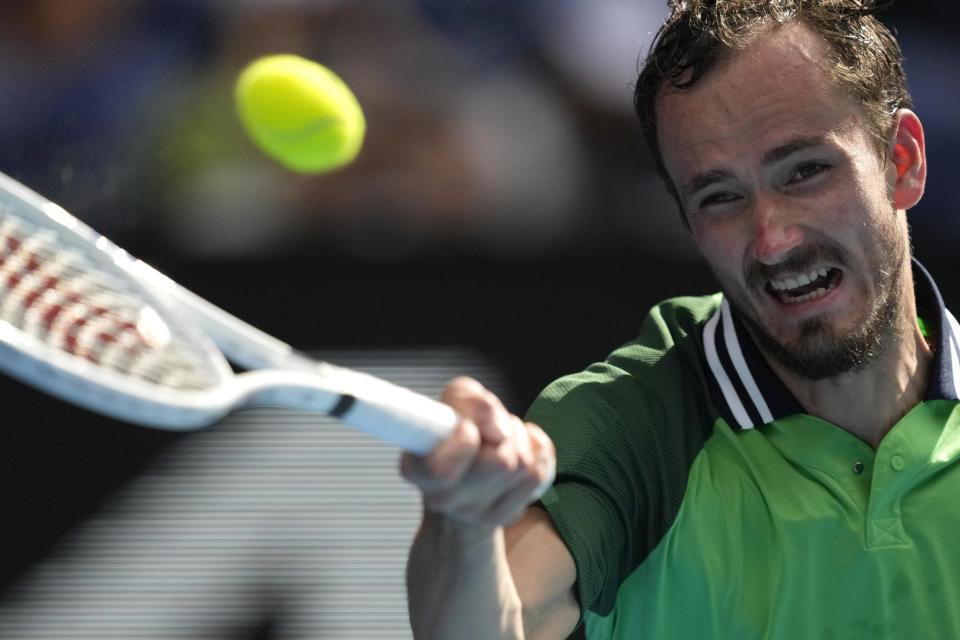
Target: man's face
pixel 789 201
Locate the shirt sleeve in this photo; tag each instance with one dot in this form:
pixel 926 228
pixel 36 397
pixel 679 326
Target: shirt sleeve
pixel 626 431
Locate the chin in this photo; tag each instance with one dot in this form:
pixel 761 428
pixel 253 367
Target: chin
pixel 819 350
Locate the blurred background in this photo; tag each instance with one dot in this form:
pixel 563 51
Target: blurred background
pixel 503 218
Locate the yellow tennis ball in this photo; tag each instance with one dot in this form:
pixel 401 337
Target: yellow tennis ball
pixel 300 113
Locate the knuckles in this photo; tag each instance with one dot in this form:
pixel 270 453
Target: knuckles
pixel 497 461
pixel 475 478
pixel 472 400
pixel 482 408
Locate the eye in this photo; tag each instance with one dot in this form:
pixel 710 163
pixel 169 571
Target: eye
pixel 807 170
pixel 718 198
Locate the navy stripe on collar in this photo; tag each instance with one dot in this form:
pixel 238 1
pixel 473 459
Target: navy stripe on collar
pixel 942 326
pixel 748 392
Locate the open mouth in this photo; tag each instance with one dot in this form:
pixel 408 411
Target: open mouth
pixel 808 286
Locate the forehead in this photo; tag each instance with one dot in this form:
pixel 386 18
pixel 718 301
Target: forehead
pixel 776 89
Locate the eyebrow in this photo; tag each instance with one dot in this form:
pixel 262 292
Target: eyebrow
pixel 703 180
pixel 790 147
pixel 777 154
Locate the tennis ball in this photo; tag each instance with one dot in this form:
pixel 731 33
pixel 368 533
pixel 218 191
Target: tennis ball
pixel 299 113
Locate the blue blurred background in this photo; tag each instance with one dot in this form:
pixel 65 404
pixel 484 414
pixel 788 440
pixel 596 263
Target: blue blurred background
pixel 503 202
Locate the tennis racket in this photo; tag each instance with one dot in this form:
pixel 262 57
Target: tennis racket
pixel 83 320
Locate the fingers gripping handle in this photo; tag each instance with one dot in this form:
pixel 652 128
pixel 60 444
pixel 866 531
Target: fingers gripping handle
pixel 412 421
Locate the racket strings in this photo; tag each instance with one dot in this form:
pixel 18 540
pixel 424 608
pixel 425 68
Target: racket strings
pixel 59 297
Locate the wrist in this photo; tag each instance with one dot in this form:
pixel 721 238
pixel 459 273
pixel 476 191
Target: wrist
pixel 450 529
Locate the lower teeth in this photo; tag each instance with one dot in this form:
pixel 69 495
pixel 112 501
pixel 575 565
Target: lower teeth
pixel 808 296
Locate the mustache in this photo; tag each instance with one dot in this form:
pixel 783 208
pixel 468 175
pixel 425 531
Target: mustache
pixel 801 259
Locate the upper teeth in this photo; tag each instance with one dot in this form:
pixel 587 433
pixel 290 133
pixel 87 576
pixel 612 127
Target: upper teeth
pixel 804 278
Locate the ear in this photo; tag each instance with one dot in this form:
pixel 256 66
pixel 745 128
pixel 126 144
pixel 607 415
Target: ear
pixel 907 160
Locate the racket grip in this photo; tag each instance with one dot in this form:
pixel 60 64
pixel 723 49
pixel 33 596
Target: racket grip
pixel 414 423
pixel 409 420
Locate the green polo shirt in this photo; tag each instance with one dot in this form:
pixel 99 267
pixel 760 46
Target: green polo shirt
pixel 699 501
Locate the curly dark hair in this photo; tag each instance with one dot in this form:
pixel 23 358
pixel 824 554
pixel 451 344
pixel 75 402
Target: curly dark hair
pixel 863 56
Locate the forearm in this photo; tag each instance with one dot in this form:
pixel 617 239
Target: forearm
pixel 459 583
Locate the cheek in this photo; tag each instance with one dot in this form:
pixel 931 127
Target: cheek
pixel 871 191
pixel 722 244
pixel 870 216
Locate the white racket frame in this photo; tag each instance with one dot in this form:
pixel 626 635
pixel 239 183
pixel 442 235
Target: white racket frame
pixel 277 376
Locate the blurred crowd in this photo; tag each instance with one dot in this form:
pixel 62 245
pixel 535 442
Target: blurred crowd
pixel 497 129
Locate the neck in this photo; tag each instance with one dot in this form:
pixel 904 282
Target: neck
pixel 868 402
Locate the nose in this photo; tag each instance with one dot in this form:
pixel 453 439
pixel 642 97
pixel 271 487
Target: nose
pixel 776 232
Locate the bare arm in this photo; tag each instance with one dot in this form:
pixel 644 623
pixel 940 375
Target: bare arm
pixel 513 583
pixel 544 575
pixel 468 575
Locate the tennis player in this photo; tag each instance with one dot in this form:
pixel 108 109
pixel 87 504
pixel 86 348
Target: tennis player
pixel 776 461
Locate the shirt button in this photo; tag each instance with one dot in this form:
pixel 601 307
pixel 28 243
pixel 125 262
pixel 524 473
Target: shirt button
pixel 858 467
pixel 897 462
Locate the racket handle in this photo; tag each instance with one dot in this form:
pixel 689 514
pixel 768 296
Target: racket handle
pixel 386 411
pixel 415 423
pixel 409 420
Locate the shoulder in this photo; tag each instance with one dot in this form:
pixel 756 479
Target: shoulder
pixel 655 369
pixel 648 399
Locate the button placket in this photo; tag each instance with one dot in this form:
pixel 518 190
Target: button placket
pixel 884 521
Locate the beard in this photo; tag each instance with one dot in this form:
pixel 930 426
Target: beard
pixel 820 352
